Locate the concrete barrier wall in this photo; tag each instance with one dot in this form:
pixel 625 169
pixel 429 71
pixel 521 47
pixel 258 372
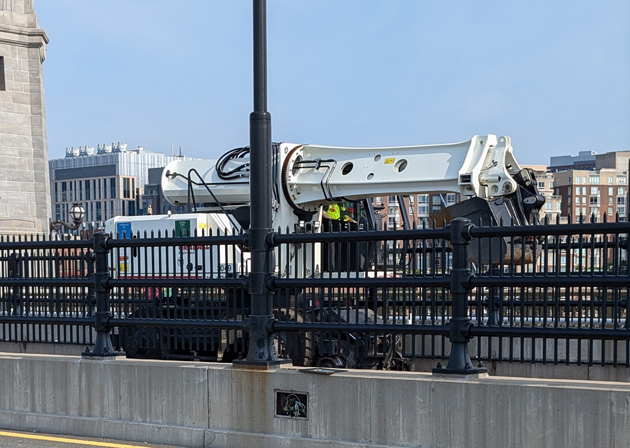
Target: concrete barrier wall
pixel 216 405
pixel 595 372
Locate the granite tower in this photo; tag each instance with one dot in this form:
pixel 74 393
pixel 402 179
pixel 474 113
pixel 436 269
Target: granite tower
pixel 24 177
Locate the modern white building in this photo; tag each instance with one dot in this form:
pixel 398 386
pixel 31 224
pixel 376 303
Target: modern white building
pixel 107 181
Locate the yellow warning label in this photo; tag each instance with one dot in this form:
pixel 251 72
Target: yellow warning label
pixel 389 160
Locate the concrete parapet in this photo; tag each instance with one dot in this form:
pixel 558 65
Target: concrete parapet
pixel 196 404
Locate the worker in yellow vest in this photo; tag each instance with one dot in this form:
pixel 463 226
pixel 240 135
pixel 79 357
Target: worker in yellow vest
pixel 338 212
pixel 333 212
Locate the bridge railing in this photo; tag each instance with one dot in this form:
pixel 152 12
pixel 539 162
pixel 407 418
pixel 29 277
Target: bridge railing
pixel 342 298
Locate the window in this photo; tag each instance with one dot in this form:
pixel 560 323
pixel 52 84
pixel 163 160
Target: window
pixel 611 181
pixel 584 179
pixel 621 180
pixel 559 206
pixel 423 199
pixel 569 200
pixel 578 190
pixel 541 185
pixel 551 184
pixel 435 200
pixel 594 200
pixel 621 200
pixel 411 199
pixel 594 190
pixel 577 180
pixel 610 191
pixel 594 180
pixel 3 84
pixel 610 211
pixel 610 199
pixel 127 188
pixel 620 191
pixel 378 200
pixel 423 210
pixel 64 192
pixel 411 209
pixel 548 206
pixel 391 199
pixel 450 198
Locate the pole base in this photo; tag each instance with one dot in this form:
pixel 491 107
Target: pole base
pixel 102 354
pixel 260 365
pixel 468 370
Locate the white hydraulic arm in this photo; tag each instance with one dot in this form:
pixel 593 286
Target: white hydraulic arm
pixel 311 175
pixel 482 167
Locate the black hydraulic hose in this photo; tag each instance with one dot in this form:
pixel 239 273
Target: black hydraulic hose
pixel 191 198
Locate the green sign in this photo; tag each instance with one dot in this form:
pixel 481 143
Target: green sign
pixel 182 228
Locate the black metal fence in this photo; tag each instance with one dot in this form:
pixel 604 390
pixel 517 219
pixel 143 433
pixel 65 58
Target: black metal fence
pixel 348 298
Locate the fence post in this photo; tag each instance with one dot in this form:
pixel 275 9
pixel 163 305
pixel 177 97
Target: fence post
pixel 103 345
pixel 460 325
pixel 15 271
pixel 89 260
pixel 494 300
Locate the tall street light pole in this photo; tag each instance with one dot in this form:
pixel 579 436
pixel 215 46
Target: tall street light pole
pixel 261 345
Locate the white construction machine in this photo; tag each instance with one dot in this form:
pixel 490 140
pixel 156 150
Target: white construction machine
pixel 307 179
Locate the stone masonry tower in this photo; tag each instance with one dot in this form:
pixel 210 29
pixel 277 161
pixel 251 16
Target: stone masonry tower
pixel 24 178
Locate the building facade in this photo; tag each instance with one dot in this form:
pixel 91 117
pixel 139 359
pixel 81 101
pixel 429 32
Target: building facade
pixel 584 160
pixel 107 181
pixel 598 193
pixel 24 181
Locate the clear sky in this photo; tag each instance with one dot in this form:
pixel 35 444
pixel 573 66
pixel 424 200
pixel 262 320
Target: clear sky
pixel 553 75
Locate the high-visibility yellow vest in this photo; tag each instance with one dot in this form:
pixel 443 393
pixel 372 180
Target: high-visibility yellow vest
pixel 333 211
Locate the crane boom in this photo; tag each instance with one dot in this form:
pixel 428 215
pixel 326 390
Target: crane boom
pixel 311 175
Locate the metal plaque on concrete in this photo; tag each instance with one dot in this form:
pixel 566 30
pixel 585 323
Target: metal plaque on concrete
pixel 291 404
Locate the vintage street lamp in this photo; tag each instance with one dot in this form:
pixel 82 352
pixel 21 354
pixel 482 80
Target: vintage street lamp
pixel 77 212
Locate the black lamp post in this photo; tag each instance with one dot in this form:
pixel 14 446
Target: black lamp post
pixel 77 212
pixel 261 344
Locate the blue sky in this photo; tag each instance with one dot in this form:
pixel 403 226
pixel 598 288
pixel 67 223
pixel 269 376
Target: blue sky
pixel 554 76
